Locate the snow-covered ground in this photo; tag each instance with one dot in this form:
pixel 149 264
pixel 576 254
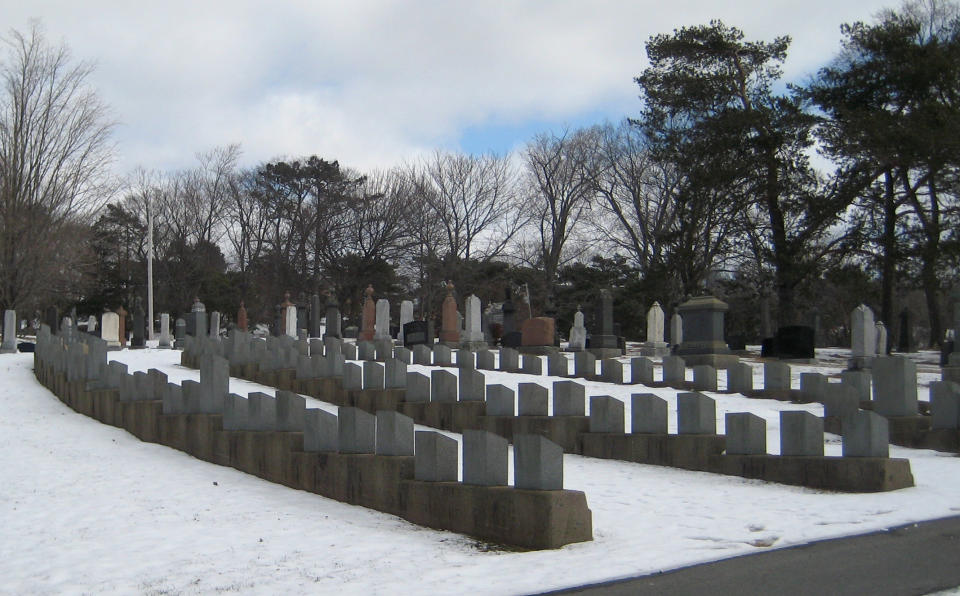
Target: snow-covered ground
pixel 88 508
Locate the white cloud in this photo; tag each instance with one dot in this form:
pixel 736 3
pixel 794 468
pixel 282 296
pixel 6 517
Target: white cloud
pixel 370 83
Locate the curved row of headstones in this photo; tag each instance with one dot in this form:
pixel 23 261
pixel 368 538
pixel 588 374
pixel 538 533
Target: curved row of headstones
pixel 538 464
pixel 801 432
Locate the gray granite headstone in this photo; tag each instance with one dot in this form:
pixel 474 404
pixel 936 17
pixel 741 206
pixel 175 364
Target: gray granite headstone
pixel 395 372
pixel 443 386
pixel 9 345
pixel 442 355
pixel 944 404
pixel 746 434
pixel 394 433
pixel 641 370
pixel 404 355
pixel 584 365
pixel 352 376
pixel 840 400
pixel 418 387
pixel 866 434
pixel 500 401
pixel 236 412
pixel 611 371
pixel 435 458
pixel 484 458
pixel 648 414
pixel 466 359
pixel 674 370
pixel 704 377
pixel 537 463
pixel 366 350
pixel 214 384
pixel 557 365
pixel 373 375
pixel 173 400
pixel 357 431
pixel 569 398
pixel 696 414
pixel 422 354
pixel 321 431
pixel 740 378
pixel 801 433
pixel 509 359
pixel 532 364
pixel 813 386
pixel 532 400
pixel 894 386
pixel 776 376
pixel 606 415
pixel 290 411
pixel 262 413
pixel 860 381
pixel 486 360
pixel 472 385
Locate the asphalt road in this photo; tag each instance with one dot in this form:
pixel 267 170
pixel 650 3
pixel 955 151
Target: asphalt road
pixel 912 559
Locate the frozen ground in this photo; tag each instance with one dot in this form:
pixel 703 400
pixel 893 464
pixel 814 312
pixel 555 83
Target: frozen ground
pixel 87 508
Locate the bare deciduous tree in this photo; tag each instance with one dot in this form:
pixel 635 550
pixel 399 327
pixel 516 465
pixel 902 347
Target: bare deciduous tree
pixel 54 149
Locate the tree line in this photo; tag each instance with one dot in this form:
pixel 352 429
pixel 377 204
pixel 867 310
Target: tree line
pixel 809 197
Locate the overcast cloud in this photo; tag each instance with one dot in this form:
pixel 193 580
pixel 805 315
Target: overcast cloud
pixel 374 83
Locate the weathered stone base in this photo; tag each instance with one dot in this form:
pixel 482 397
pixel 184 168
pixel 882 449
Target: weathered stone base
pixel 519 518
pixel 535 519
pixel 690 452
pixel 846 474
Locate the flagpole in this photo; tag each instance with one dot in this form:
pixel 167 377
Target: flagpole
pixel 150 265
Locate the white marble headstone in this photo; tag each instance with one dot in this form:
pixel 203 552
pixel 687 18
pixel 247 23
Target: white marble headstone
pixel 473 326
pixel 381 324
pixel 655 324
pixel 406 316
pixel 110 329
pixel 863 332
pixel 291 327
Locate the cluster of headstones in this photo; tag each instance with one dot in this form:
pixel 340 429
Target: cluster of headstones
pixel 801 433
pixel 538 463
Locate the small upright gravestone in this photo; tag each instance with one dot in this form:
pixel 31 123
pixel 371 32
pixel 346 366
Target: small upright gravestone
pixel 315 315
pixel 332 318
pixel 9 345
pixel 368 317
pixel 406 316
pixel 381 327
pixel 863 338
pixel 603 342
pixel 473 327
pixel 654 346
pixel 164 331
pixel 110 330
pixel 578 333
pixel 449 326
pixel 676 329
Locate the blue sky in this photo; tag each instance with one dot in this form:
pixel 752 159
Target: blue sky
pixel 377 83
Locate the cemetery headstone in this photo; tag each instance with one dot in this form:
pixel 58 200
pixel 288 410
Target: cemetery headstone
pixel 603 341
pixel 164 331
pixel 381 328
pixel 110 330
pixel 863 338
pixel 9 345
pixel 368 318
pixel 578 333
pixel 449 327
pixel 315 315
pixel 703 333
pixel 406 316
pixel 332 319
